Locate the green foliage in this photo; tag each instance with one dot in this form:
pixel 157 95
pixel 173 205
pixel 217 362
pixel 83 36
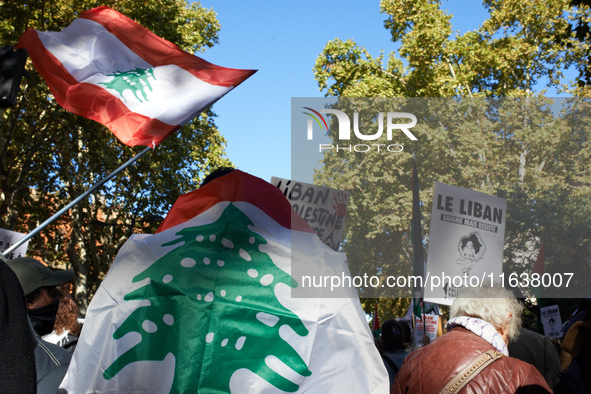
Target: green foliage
pixel 48 156
pixel 389 308
pixel 521 45
pixel 516 149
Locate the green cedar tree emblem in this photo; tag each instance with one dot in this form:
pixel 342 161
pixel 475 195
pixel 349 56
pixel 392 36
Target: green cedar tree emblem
pixel 214 295
pixel 134 80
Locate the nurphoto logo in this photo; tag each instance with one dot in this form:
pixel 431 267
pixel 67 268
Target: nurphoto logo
pixel 344 130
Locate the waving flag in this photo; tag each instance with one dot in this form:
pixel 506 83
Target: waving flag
pixel 205 305
pixel 108 68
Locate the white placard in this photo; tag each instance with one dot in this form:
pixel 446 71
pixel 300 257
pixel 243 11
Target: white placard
pixel 9 238
pixel 551 321
pixel 431 322
pixel 324 209
pixel 465 242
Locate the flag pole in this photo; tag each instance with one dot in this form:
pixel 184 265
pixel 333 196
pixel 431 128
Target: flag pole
pixel 74 202
pixel 417 242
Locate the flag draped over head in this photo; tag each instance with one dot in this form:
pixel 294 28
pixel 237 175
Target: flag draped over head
pixel 205 306
pixel 108 68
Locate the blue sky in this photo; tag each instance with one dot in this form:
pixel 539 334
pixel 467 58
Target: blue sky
pixel 282 39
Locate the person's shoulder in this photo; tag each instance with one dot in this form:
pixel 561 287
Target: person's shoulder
pixel 51 354
pixel 52 364
pixel 525 375
pixel 516 364
pixel 527 334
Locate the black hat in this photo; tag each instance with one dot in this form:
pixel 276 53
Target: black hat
pixel 33 274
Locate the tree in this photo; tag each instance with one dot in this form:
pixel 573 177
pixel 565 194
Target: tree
pixel 582 30
pixel 517 148
pixel 521 45
pixel 49 156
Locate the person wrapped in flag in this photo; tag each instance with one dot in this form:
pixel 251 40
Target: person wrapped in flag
pixel 205 305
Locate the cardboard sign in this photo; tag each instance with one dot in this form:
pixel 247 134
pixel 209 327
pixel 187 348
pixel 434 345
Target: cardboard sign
pixel 465 242
pixel 324 209
pixel 7 239
pixel 430 327
pixel 551 321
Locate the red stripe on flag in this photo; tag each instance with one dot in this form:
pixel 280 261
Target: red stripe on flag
pixel 236 186
pixel 131 128
pixel 47 65
pixel 159 52
pixel 93 102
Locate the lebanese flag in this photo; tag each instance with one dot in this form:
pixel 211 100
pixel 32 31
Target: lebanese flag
pixel 108 68
pixel 216 302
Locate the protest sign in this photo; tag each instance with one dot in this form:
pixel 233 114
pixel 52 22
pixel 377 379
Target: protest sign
pixel 8 238
pixel 551 321
pixel 465 242
pixel 430 327
pixel 323 208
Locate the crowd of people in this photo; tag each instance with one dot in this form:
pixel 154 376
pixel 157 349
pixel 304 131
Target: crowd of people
pixel 484 347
